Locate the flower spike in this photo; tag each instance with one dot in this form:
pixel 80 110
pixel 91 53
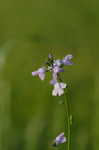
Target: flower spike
pixel 55 67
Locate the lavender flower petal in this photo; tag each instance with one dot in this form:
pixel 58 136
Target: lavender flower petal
pixel 57 69
pixel 62 85
pixel 58 89
pixel 40 72
pixel 34 73
pixel 58 62
pixel 67 60
pixel 59 139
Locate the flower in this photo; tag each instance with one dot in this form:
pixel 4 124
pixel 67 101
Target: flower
pixel 59 139
pixel 55 66
pixel 57 69
pixel 58 89
pixel 58 62
pixel 67 60
pixel 40 72
pixel 55 72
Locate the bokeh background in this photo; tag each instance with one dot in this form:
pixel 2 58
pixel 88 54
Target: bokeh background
pixel 30 118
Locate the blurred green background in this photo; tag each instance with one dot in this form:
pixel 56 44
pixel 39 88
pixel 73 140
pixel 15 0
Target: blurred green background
pixel 30 118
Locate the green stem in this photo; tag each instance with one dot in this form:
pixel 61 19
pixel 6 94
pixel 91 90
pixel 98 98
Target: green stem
pixel 67 112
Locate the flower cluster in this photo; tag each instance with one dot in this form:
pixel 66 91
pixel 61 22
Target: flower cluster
pixel 56 67
pixel 59 139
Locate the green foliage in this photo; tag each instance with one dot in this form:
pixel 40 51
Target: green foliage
pixel 30 118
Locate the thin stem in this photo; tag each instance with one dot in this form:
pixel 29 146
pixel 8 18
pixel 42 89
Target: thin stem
pixel 67 112
pixel 67 115
pixel 66 122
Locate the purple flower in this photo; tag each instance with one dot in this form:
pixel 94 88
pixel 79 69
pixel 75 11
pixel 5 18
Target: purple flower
pixel 57 69
pixel 58 89
pixel 58 62
pixel 59 139
pixel 40 72
pixel 55 66
pixel 67 60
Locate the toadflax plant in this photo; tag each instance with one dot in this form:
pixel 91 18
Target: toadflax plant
pixel 55 67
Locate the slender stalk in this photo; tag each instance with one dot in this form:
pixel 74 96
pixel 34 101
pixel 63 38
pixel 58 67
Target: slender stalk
pixel 67 112
pixel 67 116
